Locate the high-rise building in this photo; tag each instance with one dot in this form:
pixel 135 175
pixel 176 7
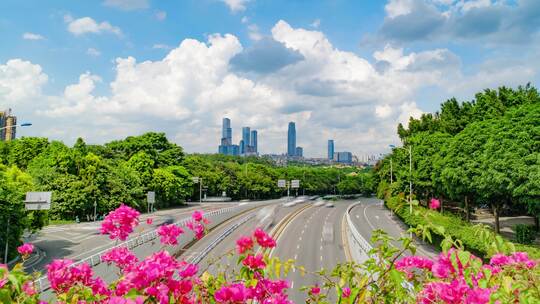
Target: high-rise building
pixel 344 157
pixel 245 138
pixel 291 139
pixel 226 132
pixel 242 146
pixel 330 149
pixel 253 142
pixel 7 125
pixel 299 152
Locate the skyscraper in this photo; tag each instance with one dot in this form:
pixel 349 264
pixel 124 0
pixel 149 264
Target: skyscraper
pixel 253 142
pixel 245 138
pixel 330 149
pixel 7 125
pixel 291 139
pixel 226 132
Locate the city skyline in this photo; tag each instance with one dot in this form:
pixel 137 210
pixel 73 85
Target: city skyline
pixel 347 70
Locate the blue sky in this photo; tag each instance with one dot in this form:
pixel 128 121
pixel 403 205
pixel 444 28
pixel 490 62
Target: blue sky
pixel 347 70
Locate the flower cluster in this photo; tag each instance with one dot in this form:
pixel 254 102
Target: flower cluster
pixel 458 276
pixel 118 224
pixel 25 249
pixel 169 234
pixel 434 204
pixel 197 224
pixel 121 257
pixel 63 275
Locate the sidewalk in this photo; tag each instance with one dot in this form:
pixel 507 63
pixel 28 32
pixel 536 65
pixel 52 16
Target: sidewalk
pixel 507 225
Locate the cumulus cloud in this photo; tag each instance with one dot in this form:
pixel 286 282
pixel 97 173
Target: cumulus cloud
pixel 127 5
pixel 87 25
pixel 32 36
pixel 236 5
pixel 293 75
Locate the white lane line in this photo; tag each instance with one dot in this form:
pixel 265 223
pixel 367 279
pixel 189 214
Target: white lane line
pixel 320 248
pixel 298 246
pixel 296 256
pixel 321 258
pixel 358 216
pixel 367 219
pixel 377 217
pixel 300 239
pixel 292 284
pixel 302 231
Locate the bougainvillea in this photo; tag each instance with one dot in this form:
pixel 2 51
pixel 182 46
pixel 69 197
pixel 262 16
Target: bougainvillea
pixel 119 223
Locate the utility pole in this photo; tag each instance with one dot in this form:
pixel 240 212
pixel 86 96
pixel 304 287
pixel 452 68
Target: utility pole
pixel 245 175
pixel 95 210
pixel 410 178
pixel 200 190
pixel 391 171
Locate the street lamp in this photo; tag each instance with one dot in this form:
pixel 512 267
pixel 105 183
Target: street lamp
pixel 24 124
pixel 410 174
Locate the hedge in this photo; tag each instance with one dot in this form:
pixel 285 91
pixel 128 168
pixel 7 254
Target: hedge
pixel 454 226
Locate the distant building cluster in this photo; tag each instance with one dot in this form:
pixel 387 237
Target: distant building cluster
pixel 8 124
pixel 339 157
pixel 247 145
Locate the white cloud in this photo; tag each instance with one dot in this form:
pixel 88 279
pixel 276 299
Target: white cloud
pixel 32 36
pixel 93 52
pixel 87 25
pixel 383 111
pixel 316 23
pixel 408 110
pixel 161 15
pixel 20 81
pixel 396 8
pixel 127 4
pixel 236 5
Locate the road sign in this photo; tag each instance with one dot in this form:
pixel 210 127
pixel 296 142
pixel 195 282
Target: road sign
pixel 38 200
pixel 295 183
pixel 151 197
pixel 281 183
pixel 195 179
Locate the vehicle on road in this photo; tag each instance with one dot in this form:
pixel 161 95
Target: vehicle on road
pixel 329 205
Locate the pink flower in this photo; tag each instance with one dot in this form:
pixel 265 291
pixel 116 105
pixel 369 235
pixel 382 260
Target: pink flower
pixel 28 288
pixel 122 257
pixel 197 228
pixel 149 221
pixel 118 224
pixel 244 244
pixel 346 292
pixel 197 215
pixel 315 290
pixel 63 276
pixel 434 203
pixel 169 234
pixel 254 262
pixel 25 249
pixel 478 296
pixel 264 240
pixel 408 262
pixel 189 270
pixel 234 293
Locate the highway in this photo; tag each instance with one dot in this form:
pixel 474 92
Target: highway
pixel 77 241
pixel 371 214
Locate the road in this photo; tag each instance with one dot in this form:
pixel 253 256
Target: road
pixel 371 214
pixel 77 241
pixel 314 239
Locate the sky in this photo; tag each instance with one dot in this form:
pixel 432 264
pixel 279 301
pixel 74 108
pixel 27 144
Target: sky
pixel 343 70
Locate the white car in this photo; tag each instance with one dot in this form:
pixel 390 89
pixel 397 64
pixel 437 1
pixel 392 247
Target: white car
pixel 329 205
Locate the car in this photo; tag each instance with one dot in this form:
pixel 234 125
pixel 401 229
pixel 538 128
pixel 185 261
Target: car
pixel 329 205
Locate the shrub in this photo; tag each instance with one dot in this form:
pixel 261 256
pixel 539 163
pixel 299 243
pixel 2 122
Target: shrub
pixel 525 234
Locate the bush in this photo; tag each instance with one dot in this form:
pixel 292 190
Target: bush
pixel 453 226
pixel 525 234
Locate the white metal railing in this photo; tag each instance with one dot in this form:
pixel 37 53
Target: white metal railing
pixel 359 245
pixel 42 283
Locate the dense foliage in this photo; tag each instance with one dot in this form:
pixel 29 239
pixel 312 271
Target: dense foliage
pixel 482 152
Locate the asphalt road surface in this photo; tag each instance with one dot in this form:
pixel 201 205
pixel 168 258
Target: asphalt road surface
pixel 371 214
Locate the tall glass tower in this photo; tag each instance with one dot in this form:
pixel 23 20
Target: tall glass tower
pixel 226 132
pixel 245 137
pixel 330 149
pixel 291 139
pixel 253 143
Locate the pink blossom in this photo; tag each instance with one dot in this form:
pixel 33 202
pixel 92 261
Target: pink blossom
pixel 264 240
pixel 254 262
pixel 478 296
pixel 149 221
pixel 197 228
pixel 25 249
pixel 346 292
pixel 189 270
pixel 244 244
pixel 118 224
pixel 315 290
pixel 122 257
pixel 169 234
pixel 408 262
pixel 63 276
pixel 434 203
pixel 28 288
pixel 234 293
pixel 197 215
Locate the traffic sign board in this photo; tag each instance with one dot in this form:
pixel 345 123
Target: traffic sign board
pixel 195 179
pixel 295 183
pixel 281 183
pixel 151 197
pixel 38 200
